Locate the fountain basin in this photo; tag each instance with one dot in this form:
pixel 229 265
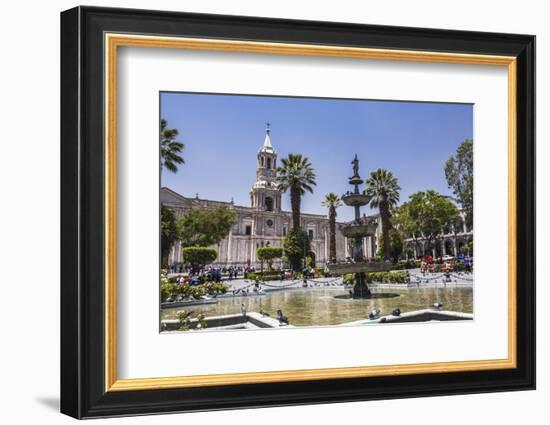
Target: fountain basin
pixel 355 180
pixel 358 230
pixel 355 199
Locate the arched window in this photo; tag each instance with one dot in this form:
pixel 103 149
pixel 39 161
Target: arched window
pixel 262 161
pixel 268 162
pixel 310 233
pixel 269 204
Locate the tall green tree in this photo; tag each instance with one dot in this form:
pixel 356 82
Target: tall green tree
pixel 297 176
pixel 332 201
pixel 296 246
pixel 407 221
pixel 383 193
pixel 268 254
pixel 168 233
pixel 395 240
pixel 431 213
pixel 459 171
pixel 170 148
pixel 205 227
pixel 198 256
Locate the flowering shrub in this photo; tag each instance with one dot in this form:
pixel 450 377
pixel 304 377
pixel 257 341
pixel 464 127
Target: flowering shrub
pixel 172 290
pixel 184 318
pixel 387 277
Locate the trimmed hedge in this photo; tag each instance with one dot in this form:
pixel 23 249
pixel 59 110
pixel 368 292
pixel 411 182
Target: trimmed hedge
pixel 381 277
pixel 264 276
pixel 387 277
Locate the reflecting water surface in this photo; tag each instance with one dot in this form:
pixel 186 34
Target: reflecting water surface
pixel 321 307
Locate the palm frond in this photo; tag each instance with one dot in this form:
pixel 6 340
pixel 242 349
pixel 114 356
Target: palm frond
pixel 170 149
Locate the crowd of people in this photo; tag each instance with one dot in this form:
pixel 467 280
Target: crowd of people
pixel 429 265
pixel 215 273
pixel 211 272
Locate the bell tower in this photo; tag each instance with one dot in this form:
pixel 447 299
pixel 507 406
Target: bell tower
pixel 264 194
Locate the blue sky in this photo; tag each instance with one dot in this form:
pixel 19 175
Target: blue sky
pixel 222 134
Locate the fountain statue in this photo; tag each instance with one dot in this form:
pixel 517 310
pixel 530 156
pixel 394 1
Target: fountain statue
pixel 356 231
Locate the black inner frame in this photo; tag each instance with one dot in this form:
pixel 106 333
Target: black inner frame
pixel 82 212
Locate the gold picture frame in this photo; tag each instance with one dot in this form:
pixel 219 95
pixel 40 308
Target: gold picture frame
pixel 114 41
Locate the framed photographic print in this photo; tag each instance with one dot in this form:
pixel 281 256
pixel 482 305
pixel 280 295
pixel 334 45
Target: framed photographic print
pixel 261 212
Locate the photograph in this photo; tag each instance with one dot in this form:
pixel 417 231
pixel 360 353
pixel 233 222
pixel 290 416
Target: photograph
pixel 281 212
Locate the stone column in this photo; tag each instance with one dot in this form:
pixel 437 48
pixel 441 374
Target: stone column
pixel 229 246
pixel 170 255
pixel 252 242
pixel 346 247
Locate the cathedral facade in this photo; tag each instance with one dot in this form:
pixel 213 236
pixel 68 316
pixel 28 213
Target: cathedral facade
pixel 263 223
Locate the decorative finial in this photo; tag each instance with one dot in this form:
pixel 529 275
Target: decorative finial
pixel 267 127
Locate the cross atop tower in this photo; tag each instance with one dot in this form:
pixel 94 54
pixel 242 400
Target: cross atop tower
pixel 267 147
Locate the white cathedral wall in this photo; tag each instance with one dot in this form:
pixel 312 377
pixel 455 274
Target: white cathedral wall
pixel 242 248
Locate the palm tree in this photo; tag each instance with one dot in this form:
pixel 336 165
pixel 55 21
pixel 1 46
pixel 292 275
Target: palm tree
pixel 296 175
pixel 383 193
pixel 332 201
pixel 169 148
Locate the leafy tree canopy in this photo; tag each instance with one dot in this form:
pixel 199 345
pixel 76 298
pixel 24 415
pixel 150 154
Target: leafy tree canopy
pixel 406 219
pixel 205 227
pixel 269 253
pixel 295 245
pixel 428 213
pixel 459 171
pixel 198 256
